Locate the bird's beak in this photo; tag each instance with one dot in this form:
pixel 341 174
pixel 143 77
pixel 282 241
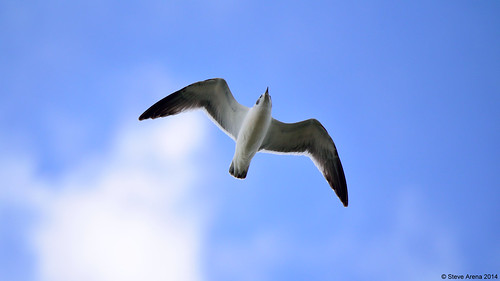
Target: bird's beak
pixel 267 91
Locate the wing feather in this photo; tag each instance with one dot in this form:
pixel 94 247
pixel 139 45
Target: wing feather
pixel 212 95
pixel 309 137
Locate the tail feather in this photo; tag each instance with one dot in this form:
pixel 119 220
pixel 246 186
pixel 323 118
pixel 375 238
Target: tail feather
pixel 239 174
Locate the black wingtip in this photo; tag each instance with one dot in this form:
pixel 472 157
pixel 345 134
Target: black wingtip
pixel 339 184
pixel 342 194
pixel 146 114
pixel 142 117
pixel 155 110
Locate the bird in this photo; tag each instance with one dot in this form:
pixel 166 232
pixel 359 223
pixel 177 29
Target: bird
pixel 255 130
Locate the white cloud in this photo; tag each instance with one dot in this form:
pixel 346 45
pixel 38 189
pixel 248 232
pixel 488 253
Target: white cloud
pixel 126 215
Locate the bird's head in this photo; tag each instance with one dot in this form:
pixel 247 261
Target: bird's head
pixel 264 99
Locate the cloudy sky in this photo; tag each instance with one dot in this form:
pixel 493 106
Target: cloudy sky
pixel 409 91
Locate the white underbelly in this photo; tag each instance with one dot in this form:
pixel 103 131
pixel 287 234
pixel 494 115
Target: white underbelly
pixel 252 133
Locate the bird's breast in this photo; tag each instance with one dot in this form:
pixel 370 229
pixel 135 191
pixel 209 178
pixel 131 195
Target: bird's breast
pixel 253 130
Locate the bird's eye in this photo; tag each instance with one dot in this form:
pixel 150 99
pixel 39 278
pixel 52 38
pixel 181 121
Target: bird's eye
pixel 257 101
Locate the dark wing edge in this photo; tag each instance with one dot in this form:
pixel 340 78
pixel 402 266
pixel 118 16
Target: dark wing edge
pixel 179 101
pixel 309 137
pixel 203 94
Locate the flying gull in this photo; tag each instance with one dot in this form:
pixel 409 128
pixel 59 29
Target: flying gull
pixel 254 129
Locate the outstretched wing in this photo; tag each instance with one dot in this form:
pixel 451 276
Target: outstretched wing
pixel 309 137
pixel 213 95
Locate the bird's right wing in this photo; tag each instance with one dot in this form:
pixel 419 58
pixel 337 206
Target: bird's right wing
pixel 213 95
pixel 310 138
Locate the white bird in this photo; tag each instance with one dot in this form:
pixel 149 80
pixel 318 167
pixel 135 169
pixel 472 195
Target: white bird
pixel 254 129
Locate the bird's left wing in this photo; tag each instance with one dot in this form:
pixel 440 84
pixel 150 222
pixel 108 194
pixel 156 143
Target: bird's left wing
pixel 213 95
pixel 309 137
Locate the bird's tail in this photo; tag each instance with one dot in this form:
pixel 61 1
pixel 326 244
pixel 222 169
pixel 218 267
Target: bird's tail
pixel 238 173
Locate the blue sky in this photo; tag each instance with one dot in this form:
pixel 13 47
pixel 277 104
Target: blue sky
pixel 409 92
